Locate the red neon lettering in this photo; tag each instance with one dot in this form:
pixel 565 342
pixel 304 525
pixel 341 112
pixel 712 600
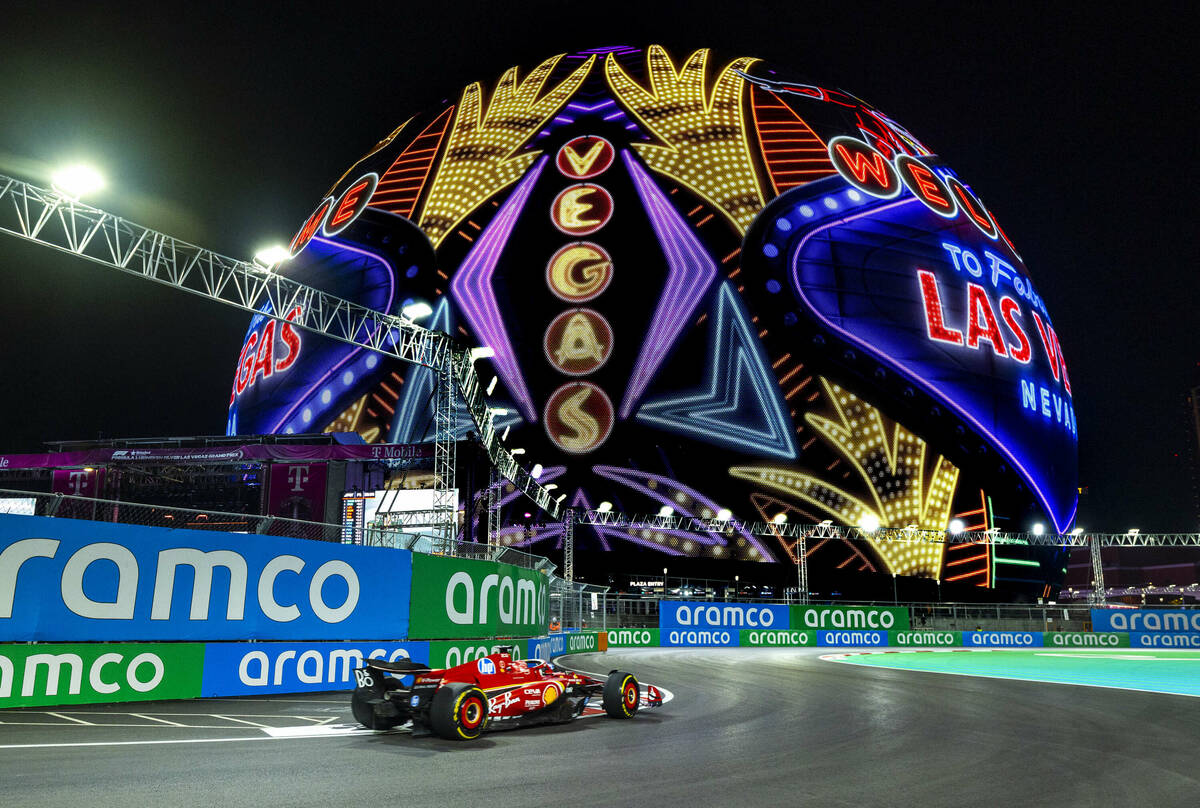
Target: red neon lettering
pixel 1047 343
pixel 978 303
pixel 1062 360
pixel 923 179
pixel 1010 311
pixel 266 352
pixel 291 339
pixel 973 207
pixel 858 165
pixel 246 368
pixel 345 210
pixel 935 325
pixel 310 227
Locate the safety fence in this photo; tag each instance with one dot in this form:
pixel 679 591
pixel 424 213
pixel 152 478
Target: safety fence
pixel 65 506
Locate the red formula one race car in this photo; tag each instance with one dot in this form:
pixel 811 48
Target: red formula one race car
pixel 494 692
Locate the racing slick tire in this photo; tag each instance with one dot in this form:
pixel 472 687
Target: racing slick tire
pixel 364 700
pixel 622 695
pixel 459 712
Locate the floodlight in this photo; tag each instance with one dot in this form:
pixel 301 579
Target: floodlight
pixel 270 256
pixel 415 311
pixel 666 510
pixel 780 518
pixel 724 515
pixel 604 507
pixel 536 471
pixel 1038 528
pixel 482 352
pixel 77 180
pixel 957 526
pixel 870 523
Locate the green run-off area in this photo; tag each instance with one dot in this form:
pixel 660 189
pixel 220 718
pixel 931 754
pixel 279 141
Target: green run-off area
pixel 1156 670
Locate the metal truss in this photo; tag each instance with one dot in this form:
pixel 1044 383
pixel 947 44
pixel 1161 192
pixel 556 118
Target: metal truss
pixel 430 517
pixel 493 508
pixel 53 219
pixel 798 531
pixel 444 456
pixel 569 545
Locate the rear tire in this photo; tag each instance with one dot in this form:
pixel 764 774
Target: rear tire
pixel 459 712
pixel 365 711
pixel 622 695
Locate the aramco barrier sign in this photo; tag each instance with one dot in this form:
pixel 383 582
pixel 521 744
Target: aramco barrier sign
pixel 876 618
pixel 32 675
pixel 455 598
pixel 71 580
pixel 1176 620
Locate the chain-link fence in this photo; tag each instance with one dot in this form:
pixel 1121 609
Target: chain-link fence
pixel 65 506
pixel 578 606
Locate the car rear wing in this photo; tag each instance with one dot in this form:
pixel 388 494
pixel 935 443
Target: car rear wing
pixel 402 666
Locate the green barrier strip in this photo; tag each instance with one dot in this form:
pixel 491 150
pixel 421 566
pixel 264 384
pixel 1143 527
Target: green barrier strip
pixel 45 675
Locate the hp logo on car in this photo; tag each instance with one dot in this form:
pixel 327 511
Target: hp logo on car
pixel 485 665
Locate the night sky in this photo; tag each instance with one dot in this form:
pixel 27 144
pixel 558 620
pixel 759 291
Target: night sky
pixel 1078 130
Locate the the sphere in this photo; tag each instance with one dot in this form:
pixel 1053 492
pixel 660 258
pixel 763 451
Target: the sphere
pixel 708 288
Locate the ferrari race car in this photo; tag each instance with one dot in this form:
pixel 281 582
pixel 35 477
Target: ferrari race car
pixel 493 692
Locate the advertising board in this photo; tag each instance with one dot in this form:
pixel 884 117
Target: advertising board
pixel 1164 639
pixel 584 642
pixel 33 675
pixel 924 639
pixel 448 653
pixel 1003 639
pixel 785 638
pixel 706 614
pixel 1178 620
pixel 851 638
pixel 633 637
pixel 247 669
pixel 1084 639
pixel 547 647
pixel 885 618
pixel 456 598
pixel 70 580
pixel 698 638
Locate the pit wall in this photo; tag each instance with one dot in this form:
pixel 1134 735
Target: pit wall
pixel 120 612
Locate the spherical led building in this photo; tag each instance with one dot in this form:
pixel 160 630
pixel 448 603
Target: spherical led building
pixel 707 287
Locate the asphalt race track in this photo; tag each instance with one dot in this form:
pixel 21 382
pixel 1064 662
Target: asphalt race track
pixel 747 727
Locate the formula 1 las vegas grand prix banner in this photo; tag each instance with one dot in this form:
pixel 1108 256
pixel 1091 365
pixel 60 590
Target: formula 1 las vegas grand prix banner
pixel 707 286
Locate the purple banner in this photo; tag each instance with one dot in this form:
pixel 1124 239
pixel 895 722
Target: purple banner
pixel 297 491
pixel 230 454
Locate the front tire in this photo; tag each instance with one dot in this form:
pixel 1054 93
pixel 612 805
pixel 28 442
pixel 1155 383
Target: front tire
pixel 622 695
pixel 459 712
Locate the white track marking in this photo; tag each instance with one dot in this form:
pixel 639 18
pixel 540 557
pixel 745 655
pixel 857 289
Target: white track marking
pixel 161 720
pixel 242 720
pixel 69 718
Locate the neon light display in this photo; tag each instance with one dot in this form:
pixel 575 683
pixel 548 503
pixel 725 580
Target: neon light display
pixel 707 287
